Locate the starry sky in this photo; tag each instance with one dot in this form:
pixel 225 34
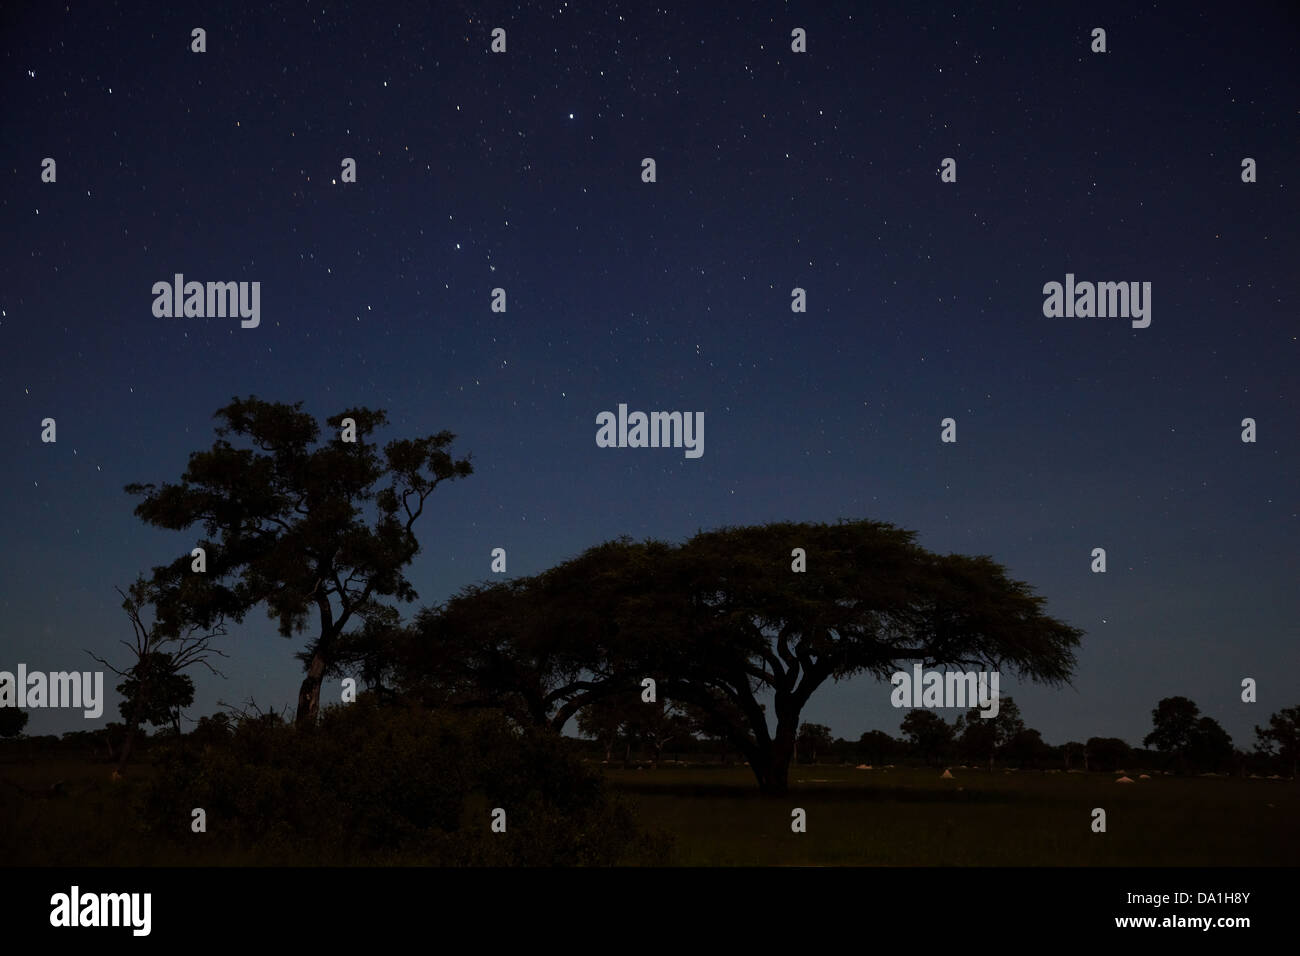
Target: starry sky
pixel 775 170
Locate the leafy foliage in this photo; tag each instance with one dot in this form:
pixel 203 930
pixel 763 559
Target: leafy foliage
pixel 722 620
pixel 1282 737
pixel 12 721
pixel 287 523
pixel 154 692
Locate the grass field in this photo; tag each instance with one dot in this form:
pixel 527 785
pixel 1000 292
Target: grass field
pixel 716 817
pixel 913 817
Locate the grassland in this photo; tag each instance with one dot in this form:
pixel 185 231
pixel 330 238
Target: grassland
pixel 716 817
pixel 914 817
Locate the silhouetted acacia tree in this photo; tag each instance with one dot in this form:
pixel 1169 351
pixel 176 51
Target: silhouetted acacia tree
pixel 735 620
pixel 285 522
pixel 722 618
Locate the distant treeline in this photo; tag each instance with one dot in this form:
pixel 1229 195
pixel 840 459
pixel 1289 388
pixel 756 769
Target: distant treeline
pixel 630 746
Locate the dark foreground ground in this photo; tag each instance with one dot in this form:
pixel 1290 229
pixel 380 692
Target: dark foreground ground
pixel 914 817
pixel 715 817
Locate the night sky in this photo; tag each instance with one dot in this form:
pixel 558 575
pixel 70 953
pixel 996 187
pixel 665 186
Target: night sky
pixel 775 170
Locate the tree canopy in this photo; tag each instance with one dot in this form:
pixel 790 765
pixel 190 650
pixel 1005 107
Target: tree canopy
pixel 302 526
pixel 12 721
pixel 724 619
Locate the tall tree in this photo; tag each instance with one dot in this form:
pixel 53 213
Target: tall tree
pixel 735 619
pixel 286 519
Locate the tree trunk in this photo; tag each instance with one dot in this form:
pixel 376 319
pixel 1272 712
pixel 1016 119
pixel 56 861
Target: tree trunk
pixel 773 775
pixel 772 767
pixel 309 692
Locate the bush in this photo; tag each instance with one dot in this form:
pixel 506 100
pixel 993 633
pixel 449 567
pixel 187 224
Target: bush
pixel 395 784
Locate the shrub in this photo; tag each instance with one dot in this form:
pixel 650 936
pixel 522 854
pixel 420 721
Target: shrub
pixel 395 784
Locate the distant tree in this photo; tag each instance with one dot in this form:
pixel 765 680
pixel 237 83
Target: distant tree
pixel 843 750
pixel 929 734
pixel 813 739
pixel 1107 753
pixel 877 747
pixel 705 726
pixel 981 738
pixel 636 722
pixel 603 720
pixel 1210 747
pixel 12 721
pixel 154 687
pixel 1175 723
pixel 655 725
pixel 1281 737
pixel 286 526
pixel 212 730
pixel 1008 721
pixel 977 738
pixel 1074 752
pixel 1027 749
pixel 154 693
